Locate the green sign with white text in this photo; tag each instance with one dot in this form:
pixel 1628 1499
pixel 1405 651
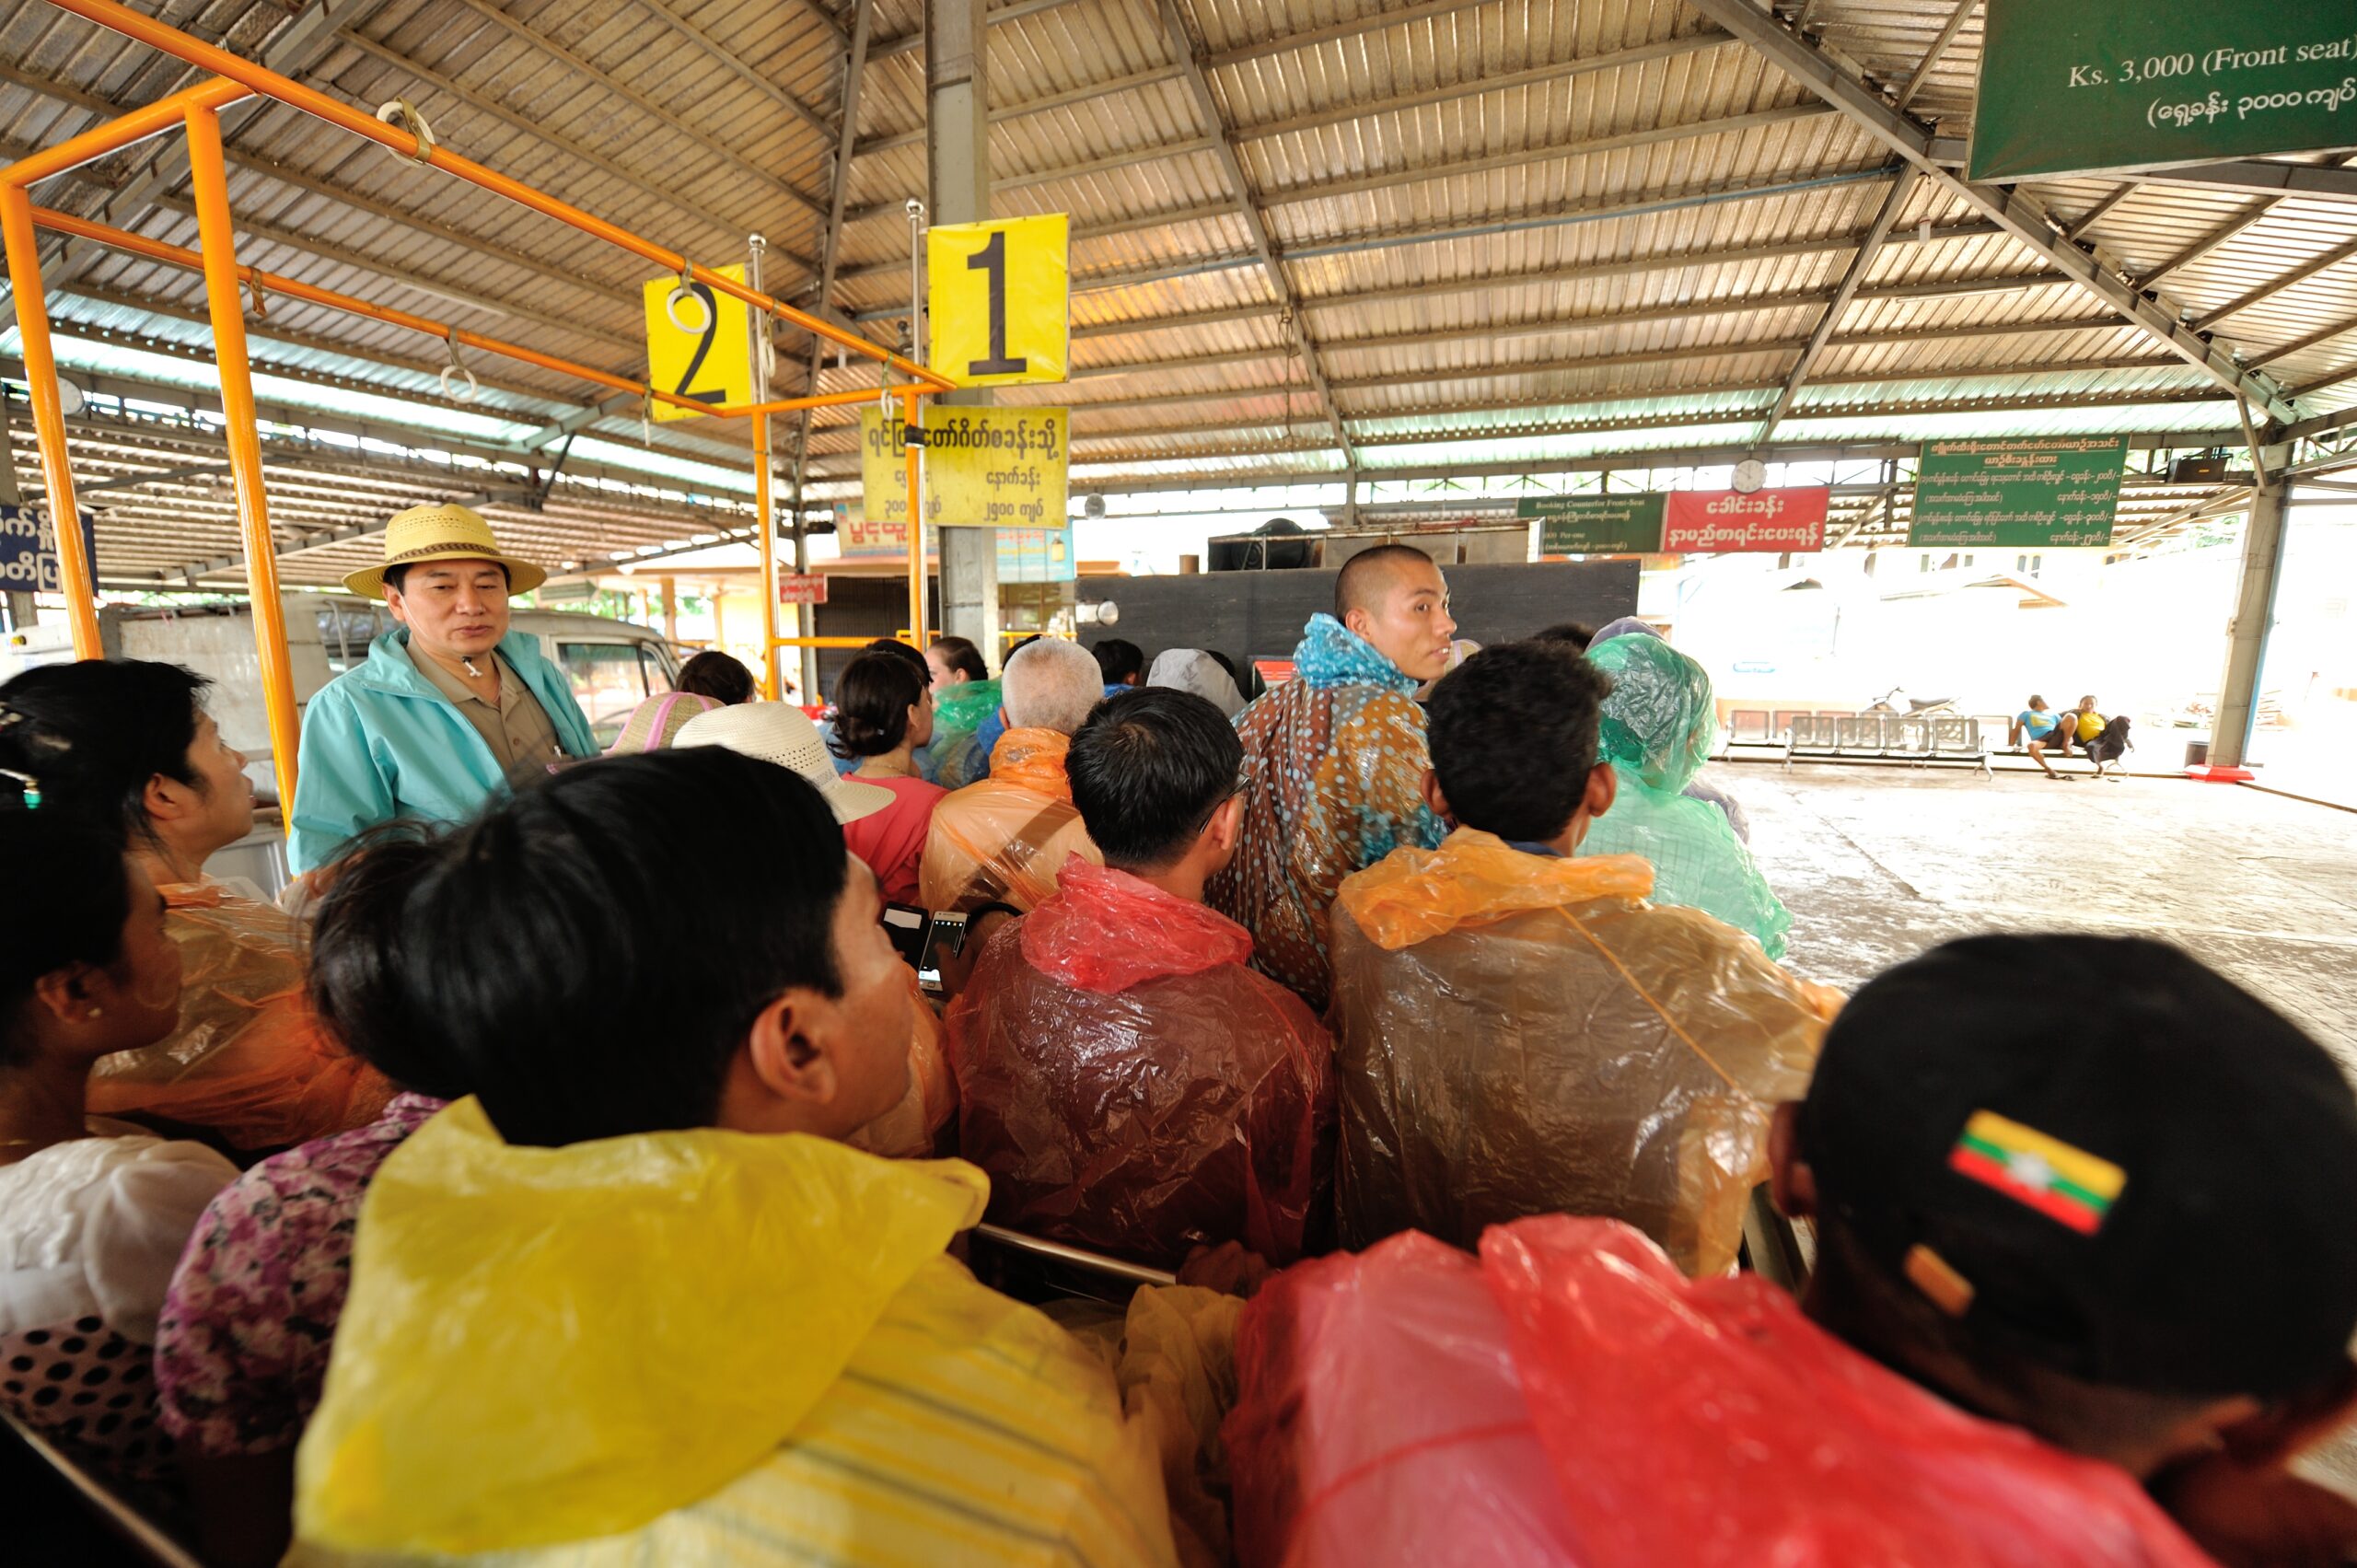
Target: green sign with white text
pixel 1595 525
pixel 2030 492
pixel 2074 86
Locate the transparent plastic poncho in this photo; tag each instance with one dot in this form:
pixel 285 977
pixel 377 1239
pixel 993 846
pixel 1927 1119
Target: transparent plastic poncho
pixel 1005 839
pixel 959 713
pixel 1657 733
pixel 1517 1033
pixel 1132 1087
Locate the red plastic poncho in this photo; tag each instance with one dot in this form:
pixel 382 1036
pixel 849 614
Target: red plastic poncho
pixel 250 1061
pixel 1130 1086
pixel 1379 1419
pixel 1005 839
pixel 1518 1034
pixel 1708 1422
pixel 1335 763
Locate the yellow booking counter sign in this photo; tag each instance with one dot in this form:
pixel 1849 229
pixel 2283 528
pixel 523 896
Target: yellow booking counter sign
pixel 999 294
pixel 697 344
pixel 984 467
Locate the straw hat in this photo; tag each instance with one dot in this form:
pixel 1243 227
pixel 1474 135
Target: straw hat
pixel 442 533
pixel 782 733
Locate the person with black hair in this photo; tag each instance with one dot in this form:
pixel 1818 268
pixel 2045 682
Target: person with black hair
pixel 1122 664
pixel 1128 1083
pixel 1518 1030
pixel 719 676
pixel 92 1212
pixel 127 745
pixel 1336 760
pixel 448 708
pixel 883 717
pixel 1572 633
pixel 954 661
pixel 923 765
pixel 642 1219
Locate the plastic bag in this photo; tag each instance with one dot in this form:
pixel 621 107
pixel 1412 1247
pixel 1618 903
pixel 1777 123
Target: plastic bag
pixel 1006 838
pixel 1657 733
pixel 250 1061
pixel 1335 762
pixel 919 1125
pixel 1517 1034
pixel 737 1348
pixel 1708 1423
pixel 1132 1087
pixel 1379 1419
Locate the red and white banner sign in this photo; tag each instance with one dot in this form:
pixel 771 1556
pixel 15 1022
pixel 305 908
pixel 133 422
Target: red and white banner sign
pixel 801 588
pixel 1716 522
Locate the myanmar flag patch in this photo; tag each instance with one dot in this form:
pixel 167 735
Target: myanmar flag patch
pixel 2063 1183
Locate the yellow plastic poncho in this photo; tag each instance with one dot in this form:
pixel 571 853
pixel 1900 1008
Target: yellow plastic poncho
pixel 702 1347
pixel 1516 1034
pixel 1005 839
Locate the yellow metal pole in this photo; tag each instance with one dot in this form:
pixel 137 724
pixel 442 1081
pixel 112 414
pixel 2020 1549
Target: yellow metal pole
pixel 49 419
pixel 913 414
pixel 209 184
pixel 670 609
pixel 764 481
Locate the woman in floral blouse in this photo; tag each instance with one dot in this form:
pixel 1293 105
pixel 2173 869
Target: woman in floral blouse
pixel 242 1346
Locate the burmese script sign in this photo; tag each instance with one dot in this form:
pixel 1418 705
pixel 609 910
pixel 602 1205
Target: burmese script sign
pixel 1595 525
pixel 2072 85
pixel 2032 492
pixel 1722 522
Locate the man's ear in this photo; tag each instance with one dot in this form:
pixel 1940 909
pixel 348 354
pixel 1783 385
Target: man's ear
pixel 1226 825
pixel 1357 621
pixel 1435 799
pixel 1603 789
pixel 1789 1181
pixel 787 1058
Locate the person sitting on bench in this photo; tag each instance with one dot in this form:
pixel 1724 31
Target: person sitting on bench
pixel 2040 726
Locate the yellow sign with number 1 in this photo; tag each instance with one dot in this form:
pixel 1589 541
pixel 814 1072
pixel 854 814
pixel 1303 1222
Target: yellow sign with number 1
pixel 1000 296
pixel 697 345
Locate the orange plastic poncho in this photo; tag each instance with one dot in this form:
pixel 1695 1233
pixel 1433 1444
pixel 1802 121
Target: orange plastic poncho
pixel 1007 837
pixel 1517 1033
pixel 1335 763
pixel 251 1059
pixel 1132 1086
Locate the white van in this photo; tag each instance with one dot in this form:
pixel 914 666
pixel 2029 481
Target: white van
pixel 612 665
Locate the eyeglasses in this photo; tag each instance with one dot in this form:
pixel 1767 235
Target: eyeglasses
pixel 1242 787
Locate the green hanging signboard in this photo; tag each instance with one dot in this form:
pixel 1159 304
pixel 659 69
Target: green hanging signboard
pixel 2031 492
pixel 2070 87
pixel 1595 525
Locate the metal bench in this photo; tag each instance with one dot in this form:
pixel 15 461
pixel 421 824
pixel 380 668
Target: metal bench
pixel 140 1538
pixel 1922 739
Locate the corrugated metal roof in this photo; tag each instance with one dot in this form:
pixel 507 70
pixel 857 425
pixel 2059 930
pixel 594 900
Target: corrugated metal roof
pixel 1515 232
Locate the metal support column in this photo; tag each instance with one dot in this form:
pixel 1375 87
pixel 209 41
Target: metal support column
pixel 49 417
pixel 957 166
pixel 2262 573
pixel 22 610
pixel 756 323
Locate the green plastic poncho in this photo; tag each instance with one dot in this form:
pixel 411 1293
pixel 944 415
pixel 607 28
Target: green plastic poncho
pixel 959 712
pixel 1656 734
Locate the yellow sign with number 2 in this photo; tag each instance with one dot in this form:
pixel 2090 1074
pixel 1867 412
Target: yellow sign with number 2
pixel 697 345
pixel 1000 298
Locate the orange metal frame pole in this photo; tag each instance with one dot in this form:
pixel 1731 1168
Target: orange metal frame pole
pixel 209 183
pixel 76 577
pixel 148 120
pixel 261 79
pixel 913 414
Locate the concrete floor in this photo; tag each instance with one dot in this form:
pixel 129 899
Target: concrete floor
pixel 1877 863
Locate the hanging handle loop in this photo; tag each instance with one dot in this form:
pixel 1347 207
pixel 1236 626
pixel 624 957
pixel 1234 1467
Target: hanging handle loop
pixel 687 292
pixel 403 115
pixel 458 367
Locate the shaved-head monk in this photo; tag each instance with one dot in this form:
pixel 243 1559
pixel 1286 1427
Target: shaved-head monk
pixel 1334 761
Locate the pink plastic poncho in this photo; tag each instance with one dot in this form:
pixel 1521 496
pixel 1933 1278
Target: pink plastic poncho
pixel 1708 1422
pixel 1518 1034
pixel 250 1061
pixel 1335 763
pixel 1379 1419
pixel 1005 839
pixel 1130 1086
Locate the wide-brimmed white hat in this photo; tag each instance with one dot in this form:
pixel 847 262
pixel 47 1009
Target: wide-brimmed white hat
pixel 445 532
pixel 782 733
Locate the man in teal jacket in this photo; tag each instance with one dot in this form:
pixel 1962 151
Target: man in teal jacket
pixel 448 709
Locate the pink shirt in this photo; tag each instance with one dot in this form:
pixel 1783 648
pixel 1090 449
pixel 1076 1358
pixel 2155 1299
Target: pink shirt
pixel 892 841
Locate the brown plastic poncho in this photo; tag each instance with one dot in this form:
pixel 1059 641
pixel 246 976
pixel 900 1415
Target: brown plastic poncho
pixel 1005 837
pixel 1517 1034
pixel 250 1060
pixel 1334 761
pixel 1132 1087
